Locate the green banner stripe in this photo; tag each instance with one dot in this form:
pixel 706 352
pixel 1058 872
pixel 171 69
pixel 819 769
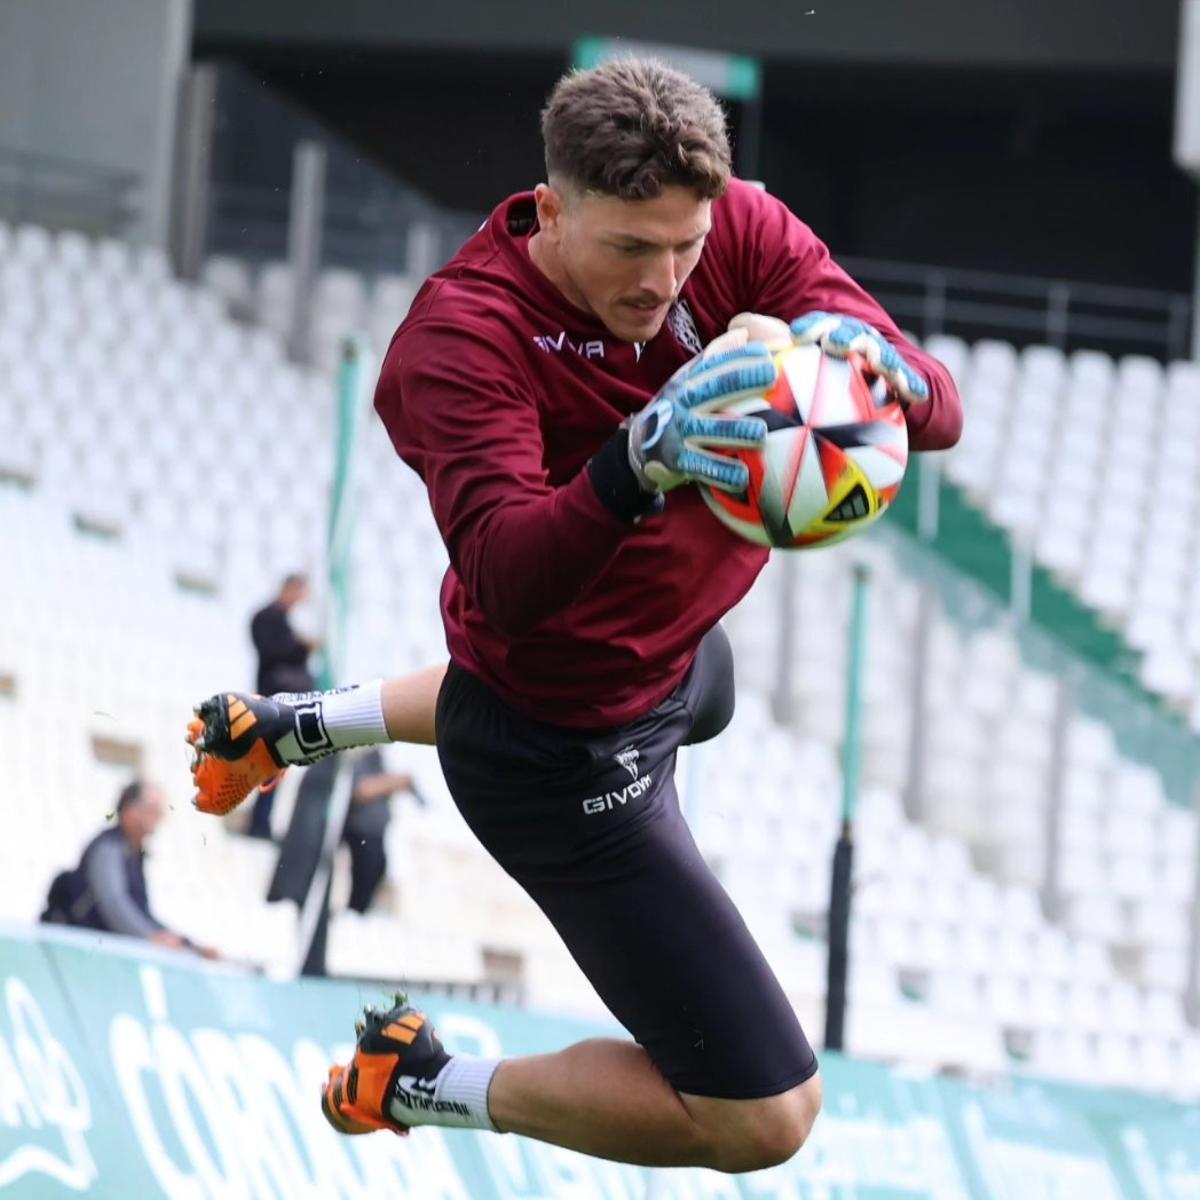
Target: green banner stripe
pixel 128 1072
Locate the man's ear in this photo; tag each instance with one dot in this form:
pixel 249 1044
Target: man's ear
pixel 550 205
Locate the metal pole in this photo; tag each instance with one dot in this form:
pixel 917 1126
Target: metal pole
pixel 782 703
pixel 1179 331
pixel 843 854
pixel 193 170
pixel 314 913
pixel 929 498
pixel 1192 988
pixel 1056 785
pixel 933 307
pixel 914 795
pixel 749 138
pixel 1196 277
pixel 1020 592
pixel 342 512
pixel 305 217
pixel 316 903
pixel 421 248
pixel 1058 306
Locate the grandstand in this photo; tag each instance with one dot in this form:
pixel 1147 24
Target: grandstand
pixel 955 963
pixel 1026 895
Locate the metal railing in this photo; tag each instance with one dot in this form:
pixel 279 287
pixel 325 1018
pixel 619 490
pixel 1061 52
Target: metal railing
pixel 373 233
pixel 374 223
pixel 64 194
pixel 1023 308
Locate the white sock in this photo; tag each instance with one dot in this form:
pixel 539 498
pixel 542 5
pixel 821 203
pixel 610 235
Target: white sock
pixel 330 721
pixel 354 716
pixel 456 1097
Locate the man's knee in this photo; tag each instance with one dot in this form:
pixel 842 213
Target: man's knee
pixel 772 1131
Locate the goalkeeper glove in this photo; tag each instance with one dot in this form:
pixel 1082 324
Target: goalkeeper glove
pixel 670 440
pixel 840 336
pixel 243 742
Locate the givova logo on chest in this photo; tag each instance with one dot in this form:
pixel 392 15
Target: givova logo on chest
pixel 560 342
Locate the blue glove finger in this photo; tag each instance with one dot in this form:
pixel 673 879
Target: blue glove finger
pixel 736 354
pixel 730 431
pixel 755 377
pixel 714 469
pixel 850 328
pixel 914 382
pixel 801 325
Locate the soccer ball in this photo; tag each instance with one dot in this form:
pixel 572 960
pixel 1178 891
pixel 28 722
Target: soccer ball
pixel 835 454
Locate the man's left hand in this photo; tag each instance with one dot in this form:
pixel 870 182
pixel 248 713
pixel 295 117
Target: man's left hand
pixel 840 336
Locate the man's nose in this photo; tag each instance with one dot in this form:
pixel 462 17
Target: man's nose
pixel 661 276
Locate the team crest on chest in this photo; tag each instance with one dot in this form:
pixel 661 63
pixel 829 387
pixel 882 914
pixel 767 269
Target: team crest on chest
pixel 683 326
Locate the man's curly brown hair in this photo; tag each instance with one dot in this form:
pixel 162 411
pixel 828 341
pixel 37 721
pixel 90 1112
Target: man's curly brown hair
pixel 633 127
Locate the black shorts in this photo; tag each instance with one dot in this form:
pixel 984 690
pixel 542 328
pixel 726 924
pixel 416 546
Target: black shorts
pixel 588 822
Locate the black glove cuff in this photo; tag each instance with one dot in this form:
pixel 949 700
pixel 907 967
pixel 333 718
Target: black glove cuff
pixel 617 486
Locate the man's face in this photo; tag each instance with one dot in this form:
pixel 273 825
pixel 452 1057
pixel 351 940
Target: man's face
pixel 623 260
pixel 146 816
pixel 293 593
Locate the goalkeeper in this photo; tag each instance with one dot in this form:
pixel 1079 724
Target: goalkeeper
pixel 548 388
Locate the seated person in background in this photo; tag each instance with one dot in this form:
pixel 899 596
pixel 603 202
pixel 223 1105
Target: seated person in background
pixel 107 890
pixel 282 667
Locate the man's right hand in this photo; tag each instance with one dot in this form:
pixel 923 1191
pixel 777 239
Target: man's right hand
pixel 289 724
pixel 241 742
pixel 670 441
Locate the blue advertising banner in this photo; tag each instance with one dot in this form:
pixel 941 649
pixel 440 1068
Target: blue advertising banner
pixel 126 1072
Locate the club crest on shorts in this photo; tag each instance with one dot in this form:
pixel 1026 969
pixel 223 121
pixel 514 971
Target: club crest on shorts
pixel 628 758
pixel 683 326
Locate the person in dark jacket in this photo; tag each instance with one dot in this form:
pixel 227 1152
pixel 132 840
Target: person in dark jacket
pixel 282 653
pixel 282 667
pixel 107 890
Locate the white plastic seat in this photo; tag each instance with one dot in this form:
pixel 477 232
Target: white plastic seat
pixel 1107 588
pixel 995 361
pixel 340 294
pixel 1176 832
pixel 1052 953
pixel 1153 631
pixel 1007 999
pixel 273 296
pixel 1160 922
pixel 1092 371
pixel 1085 1007
pixel 112 258
pixel 1096 915
pixel 955 991
pixel 1115 1062
pixel 228 279
pixel 1061 549
pixel 1163 967
pixel 73 250
pixel 1164 1013
pixel 33 244
pixel 1047 1004
pixel 1131 876
pixel 1166 671
pixel 1140 376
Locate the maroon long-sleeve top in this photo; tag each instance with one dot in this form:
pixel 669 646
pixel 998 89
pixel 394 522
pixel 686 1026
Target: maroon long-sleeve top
pixel 497 391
